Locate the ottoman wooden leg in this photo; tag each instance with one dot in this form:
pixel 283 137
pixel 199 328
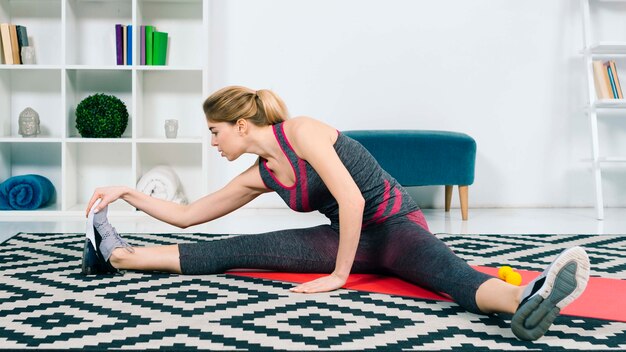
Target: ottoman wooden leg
pixel 448 197
pixel 463 193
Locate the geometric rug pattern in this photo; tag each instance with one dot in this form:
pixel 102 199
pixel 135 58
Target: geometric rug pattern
pixel 46 303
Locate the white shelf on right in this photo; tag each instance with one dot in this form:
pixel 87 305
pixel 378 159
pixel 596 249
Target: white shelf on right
pixel 610 104
pixel 612 159
pixel 608 48
pixel 605 60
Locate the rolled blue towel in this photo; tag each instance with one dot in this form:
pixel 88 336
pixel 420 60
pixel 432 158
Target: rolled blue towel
pixel 25 192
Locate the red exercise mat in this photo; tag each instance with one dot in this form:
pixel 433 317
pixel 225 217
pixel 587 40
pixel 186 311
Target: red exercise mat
pixel 603 298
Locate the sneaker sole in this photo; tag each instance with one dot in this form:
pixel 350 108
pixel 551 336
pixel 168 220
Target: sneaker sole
pixel 89 230
pixel 567 278
pixel 89 253
pixel 566 281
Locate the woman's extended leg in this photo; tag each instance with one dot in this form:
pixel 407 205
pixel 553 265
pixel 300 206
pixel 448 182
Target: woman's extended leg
pixel 419 257
pixel 157 258
pixel 497 296
pixel 414 254
pixel 105 251
pixel 296 250
pixel 311 249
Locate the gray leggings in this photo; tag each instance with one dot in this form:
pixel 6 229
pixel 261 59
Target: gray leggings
pixel 399 246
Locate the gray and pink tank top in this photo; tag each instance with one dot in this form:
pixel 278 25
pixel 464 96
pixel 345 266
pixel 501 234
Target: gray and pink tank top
pixel 384 197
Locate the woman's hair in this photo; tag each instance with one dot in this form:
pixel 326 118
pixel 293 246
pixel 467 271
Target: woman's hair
pixel 262 107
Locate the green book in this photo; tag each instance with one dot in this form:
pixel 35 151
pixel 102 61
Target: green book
pixel 159 54
pixel 149 55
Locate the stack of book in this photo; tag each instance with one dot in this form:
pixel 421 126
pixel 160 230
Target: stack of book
pixel 13 37
pixel 606 80
pixel 152 45
pixel 124 44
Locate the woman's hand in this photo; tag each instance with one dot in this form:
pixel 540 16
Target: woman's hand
pixel 107 194
pixel 323 284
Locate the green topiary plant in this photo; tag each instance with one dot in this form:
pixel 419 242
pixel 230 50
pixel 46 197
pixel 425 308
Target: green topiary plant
pixel 101 116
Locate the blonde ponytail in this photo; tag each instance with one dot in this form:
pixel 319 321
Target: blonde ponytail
pixel 232 103
pixel 273 106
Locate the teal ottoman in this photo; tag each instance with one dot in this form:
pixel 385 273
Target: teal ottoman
pixel 424 158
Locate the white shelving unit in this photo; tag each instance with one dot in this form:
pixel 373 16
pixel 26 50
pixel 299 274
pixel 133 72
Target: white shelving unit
pixel 596 49
pixel 75 54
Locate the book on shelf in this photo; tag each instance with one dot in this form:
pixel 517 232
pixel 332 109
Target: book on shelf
pixel 129 45
pixel 124 48
pixel 618 86
pixel 13 38
pixel 123 44
pixel 160 48
pixel 149 45
pixel 15 48
pixel 22 39
pixel 608 69
pixel 6 43
pixel 142 45
pixel 152 46
pixel 119 45
pixel 606 80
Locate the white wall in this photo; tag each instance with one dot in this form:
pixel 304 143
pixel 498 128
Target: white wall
pixel 507 73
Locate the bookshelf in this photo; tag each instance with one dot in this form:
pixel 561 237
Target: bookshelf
pixel 75 57
pixel 597 49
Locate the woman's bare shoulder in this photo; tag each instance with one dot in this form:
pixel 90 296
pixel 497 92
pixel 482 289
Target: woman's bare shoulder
pixel 305 130
pixel 299 121
pixel 306 125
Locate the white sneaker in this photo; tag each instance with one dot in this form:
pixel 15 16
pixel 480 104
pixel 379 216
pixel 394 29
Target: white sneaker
pixel 560 284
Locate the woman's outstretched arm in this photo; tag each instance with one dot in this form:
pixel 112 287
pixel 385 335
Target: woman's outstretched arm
pixel 241 190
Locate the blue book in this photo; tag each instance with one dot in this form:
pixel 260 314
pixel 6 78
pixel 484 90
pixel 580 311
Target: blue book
pixel 129 43
pixel 612 79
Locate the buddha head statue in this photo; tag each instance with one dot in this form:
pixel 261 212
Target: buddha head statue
pixel 29 123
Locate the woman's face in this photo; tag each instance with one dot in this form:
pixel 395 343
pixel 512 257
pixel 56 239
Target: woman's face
pixel 227 139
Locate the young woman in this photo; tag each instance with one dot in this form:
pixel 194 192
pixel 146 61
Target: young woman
pixel 375 226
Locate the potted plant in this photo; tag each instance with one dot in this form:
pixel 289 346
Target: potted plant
pixel 101 116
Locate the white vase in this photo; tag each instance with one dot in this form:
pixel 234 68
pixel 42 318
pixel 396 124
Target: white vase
pixel 28 55
pixel 171 128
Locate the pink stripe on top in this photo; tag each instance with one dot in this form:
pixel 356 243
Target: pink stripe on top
pixel 282 128
pixel 381 207
pixel 397 203
pixel 295 176
pixel 304 187
pixel 292 200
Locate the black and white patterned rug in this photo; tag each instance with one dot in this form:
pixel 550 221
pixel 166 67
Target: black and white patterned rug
pixel 46 303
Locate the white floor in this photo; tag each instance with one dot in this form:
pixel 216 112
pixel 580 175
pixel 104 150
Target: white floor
pixel 511 221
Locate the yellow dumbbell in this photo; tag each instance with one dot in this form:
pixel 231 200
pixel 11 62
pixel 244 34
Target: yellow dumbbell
pixel 503 271
pixel 514 278
pixel 509 275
